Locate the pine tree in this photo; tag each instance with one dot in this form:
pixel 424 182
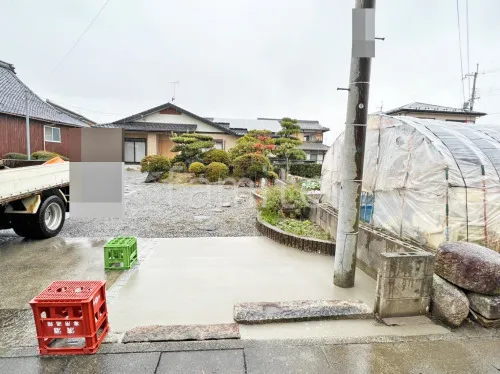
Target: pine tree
pixel 191 146
pixel 288 142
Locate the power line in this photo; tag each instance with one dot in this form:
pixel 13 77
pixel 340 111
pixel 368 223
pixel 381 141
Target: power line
pixel 468 49
pixel 460 46
pixel 80 37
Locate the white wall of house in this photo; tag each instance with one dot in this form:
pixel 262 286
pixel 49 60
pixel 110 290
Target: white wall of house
pixel 180 119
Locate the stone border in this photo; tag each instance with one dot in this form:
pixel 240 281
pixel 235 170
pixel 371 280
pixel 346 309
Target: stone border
pixel 258 198
pixel 291 240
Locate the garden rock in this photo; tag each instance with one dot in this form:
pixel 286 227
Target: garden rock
pixel 449 303
pixel 153 176
pixel 487 306
pixel 300 310
pixel 226 205
pixel 217 210
pixel 469 266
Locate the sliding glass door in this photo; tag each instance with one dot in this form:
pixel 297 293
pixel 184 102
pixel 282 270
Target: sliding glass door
pixel 135 150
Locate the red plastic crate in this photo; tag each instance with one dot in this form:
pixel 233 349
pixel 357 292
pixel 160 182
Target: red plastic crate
pixel 71 317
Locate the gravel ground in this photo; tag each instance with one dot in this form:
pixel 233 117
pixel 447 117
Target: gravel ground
pixel 161 210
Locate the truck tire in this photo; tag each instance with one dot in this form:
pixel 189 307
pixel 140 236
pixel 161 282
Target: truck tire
pixel 21 225
pixel 45 223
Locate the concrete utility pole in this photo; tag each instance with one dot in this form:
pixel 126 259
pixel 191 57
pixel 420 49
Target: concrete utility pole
pixel 473 94
pixel 363 49
pixel 28 140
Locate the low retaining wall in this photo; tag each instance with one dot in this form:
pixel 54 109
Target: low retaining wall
pixel 304 244
pixel 371 242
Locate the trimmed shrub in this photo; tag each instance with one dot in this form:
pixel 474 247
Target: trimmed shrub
pixel 272 176
pixel 216 155
pixel 252 165
pixel 290 201
pixel 155 163
pixel 197 168
pixel 216 171
pixel 311 170
pixel 45 155
pixel 15 156
pixel 179 166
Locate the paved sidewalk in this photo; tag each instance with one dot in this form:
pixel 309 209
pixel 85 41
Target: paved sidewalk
pixel 474 355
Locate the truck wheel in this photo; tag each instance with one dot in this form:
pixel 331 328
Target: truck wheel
pixel 46 223
pixel 21 225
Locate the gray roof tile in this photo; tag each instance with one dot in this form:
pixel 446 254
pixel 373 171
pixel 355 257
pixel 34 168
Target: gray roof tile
pixel 150 126
pixel 312 146
pixel 13 100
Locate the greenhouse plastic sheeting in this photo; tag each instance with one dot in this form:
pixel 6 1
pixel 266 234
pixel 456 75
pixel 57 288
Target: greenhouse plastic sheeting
pixel 432 181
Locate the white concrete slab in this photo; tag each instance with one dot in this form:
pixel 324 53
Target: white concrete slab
pixel 338 329
pixel 198 281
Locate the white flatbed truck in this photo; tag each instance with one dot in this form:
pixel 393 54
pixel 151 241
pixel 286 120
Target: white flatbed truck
pixel 34 199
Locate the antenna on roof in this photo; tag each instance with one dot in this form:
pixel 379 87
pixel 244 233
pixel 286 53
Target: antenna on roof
pixel 381 107
pixel 175 84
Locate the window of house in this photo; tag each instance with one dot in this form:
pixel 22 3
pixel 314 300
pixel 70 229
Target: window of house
pixel 307 138
pixel 219 144
pixel 313 157
pixel 52 134
pixel 320 157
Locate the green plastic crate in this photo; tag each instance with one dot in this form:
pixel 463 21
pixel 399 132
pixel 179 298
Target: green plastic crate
pixel 120 253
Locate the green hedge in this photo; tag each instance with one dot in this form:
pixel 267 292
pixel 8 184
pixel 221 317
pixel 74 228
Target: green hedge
pixel 252 165
pixel 46 155
pixel 216 155
pixel 15 156
pixel 311 170
pixel 217 171
pixel 155 163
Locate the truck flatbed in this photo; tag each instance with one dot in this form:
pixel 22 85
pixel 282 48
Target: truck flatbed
pixel 18 183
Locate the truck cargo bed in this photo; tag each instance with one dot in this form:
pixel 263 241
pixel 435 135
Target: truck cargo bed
pixel 18 183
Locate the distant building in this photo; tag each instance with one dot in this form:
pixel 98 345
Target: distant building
pixel 429 111
pixel 150 132
pixel 311 133
pixel 71 113
pixel 49 125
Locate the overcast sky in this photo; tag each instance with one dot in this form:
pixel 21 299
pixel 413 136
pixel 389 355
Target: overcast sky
pixel 246 58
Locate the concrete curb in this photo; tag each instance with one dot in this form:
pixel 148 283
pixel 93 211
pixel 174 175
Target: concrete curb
pixel 304 244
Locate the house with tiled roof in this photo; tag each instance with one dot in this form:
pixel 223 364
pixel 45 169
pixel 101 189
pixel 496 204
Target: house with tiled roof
pixel 72 113
pixel 311 132
pixel 49 126
pixel 438 112
pixel 150 132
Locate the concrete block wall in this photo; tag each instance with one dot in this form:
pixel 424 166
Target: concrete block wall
pixel 404 284
pixel 371 242
pixel 403 270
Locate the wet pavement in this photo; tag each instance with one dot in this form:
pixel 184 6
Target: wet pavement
pixel 28 267
pixel 470 356
pixel 198 280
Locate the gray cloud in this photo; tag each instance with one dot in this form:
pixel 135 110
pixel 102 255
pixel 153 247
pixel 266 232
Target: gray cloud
pixel 241 58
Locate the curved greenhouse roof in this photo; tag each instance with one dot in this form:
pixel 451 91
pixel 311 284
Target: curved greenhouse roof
pixel 430 181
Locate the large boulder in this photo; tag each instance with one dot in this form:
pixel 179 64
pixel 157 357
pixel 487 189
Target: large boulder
pixel 154 176
pixel 469 266
pixel 448 303
pixel 487 306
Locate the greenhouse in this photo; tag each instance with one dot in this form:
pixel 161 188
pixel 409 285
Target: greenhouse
pixel 426 180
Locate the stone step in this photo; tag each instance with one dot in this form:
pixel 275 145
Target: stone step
pixel 302 310
pixel 158 333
